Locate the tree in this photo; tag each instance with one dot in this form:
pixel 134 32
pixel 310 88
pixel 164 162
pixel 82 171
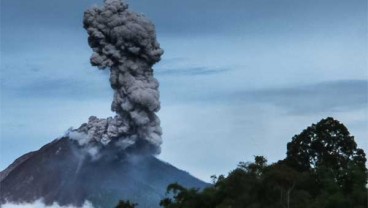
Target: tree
pixel 325 144
pixel 255 168
pixel 126 204
pixel 329 152
pixel 284 179
pixel 183 197
pixel 238 189
pixel 323 168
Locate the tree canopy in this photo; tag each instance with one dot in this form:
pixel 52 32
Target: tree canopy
pixel 126 204
pixel 323 168
pixel 327 143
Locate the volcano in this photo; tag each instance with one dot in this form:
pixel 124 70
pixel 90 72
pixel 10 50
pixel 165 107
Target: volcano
pixel 106 159
pixel 59 172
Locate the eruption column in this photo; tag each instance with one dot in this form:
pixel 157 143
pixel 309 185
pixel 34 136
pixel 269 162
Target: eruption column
pixel 125 43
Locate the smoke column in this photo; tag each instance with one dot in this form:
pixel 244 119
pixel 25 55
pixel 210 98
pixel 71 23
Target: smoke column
pixel 125 43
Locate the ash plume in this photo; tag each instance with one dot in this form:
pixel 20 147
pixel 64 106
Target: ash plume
pixel 125 43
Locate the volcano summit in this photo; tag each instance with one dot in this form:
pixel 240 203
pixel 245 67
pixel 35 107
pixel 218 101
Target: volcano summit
pixel 60 172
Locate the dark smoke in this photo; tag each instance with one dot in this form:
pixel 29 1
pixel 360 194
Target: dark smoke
pixel 125 43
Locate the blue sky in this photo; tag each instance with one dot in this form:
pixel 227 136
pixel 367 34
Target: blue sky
pixel 238 78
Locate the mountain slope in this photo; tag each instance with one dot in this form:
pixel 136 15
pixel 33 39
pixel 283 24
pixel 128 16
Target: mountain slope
pixel 58 172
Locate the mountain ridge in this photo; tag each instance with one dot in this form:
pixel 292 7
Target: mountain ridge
pixel 58 172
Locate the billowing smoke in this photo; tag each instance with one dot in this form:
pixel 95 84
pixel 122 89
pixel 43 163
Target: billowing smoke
pixel 125 43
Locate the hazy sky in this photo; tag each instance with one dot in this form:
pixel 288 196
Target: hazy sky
pixel 238 78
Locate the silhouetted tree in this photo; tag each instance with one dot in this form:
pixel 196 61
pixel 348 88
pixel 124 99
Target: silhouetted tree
pixel 126 204
pixel 327 145
pixel 323 168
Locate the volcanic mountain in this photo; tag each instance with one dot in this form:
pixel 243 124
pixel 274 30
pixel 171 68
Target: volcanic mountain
pixel 60 172
pixel 106 159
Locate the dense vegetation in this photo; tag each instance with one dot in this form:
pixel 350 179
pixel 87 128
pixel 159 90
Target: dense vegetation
pixel 323 169
pixel 126 204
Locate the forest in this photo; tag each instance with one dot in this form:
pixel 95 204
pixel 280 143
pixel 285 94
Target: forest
pixel 323 168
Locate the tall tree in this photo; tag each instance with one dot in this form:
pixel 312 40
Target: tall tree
pixel 328 146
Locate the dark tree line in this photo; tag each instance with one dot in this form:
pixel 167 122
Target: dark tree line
pixel 323 168
pixel 126 204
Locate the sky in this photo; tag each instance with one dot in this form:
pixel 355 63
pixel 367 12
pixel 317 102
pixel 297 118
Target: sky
pixel 239 78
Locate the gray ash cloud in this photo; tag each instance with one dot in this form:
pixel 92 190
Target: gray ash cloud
pixel 125 43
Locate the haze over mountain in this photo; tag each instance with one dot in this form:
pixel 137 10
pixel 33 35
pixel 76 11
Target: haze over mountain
pixel 61 173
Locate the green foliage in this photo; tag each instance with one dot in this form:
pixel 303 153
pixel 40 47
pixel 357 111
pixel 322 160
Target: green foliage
pixel 323 168
pixel 327 143
pixel 126 204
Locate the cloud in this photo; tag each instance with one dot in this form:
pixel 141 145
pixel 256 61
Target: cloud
pixel 193 17
pixel 232 131
pixel 40 204
pixel 190 71
pixel 321 97
pixel 35 77
pixel 66 88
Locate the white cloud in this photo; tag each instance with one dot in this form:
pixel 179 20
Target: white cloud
pixel 40 204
